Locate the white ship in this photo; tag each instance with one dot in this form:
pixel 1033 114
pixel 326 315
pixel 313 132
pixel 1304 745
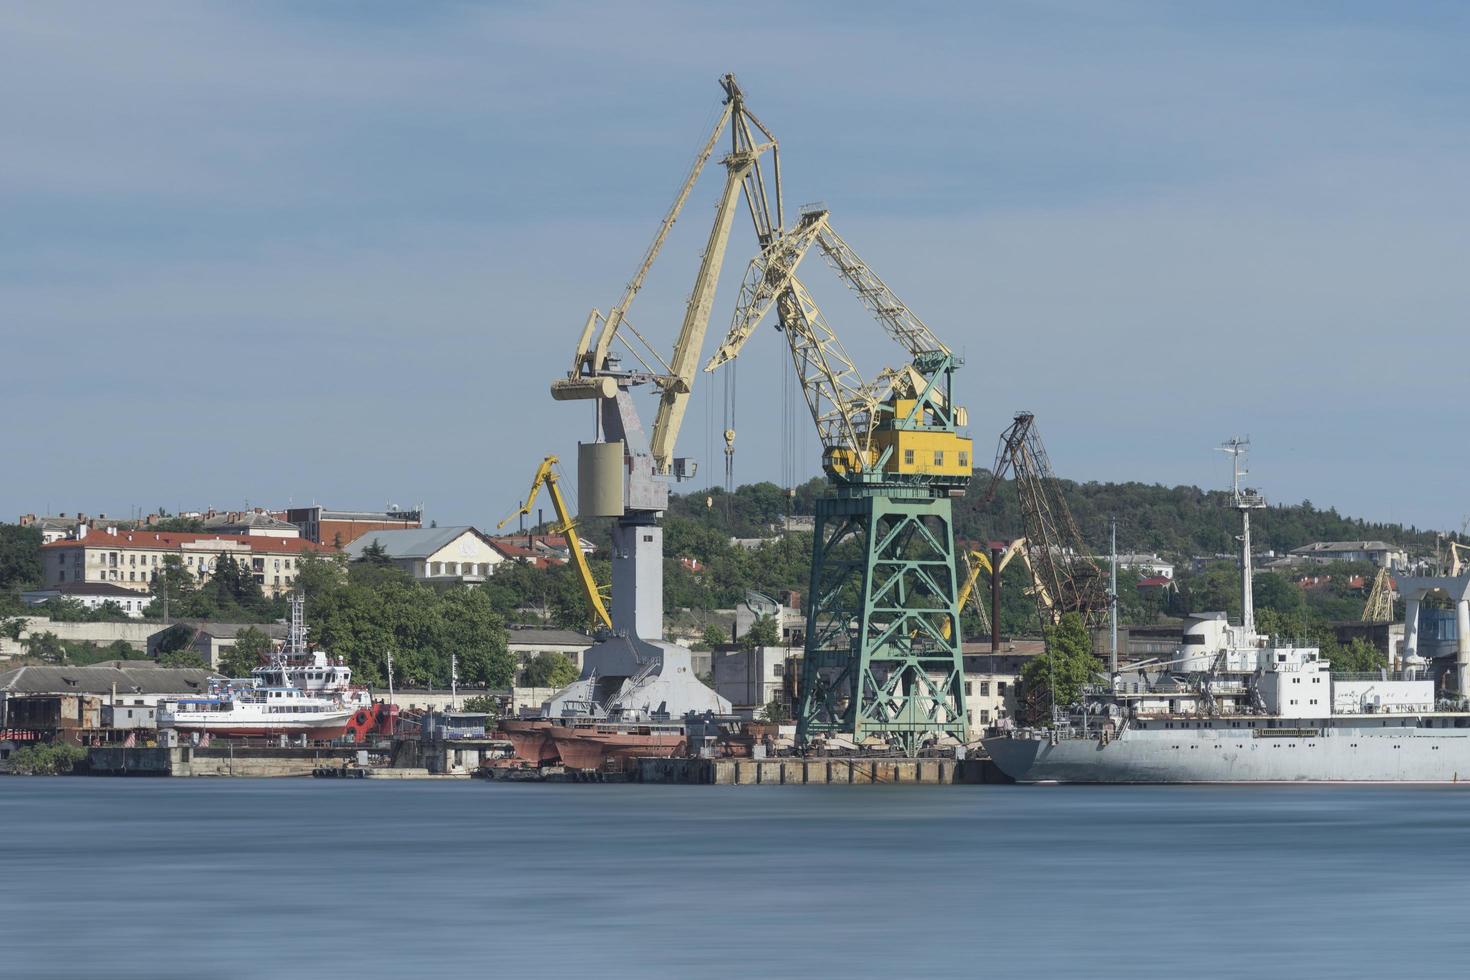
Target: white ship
pixel 299 692
pixel 1235 706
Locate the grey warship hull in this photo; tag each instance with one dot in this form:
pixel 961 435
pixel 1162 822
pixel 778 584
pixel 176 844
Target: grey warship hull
pixel 1356 751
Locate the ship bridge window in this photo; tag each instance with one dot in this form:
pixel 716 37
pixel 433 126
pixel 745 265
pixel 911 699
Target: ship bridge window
pixel 1194 640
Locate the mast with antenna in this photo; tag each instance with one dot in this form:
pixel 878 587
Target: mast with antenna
pixel 1244 500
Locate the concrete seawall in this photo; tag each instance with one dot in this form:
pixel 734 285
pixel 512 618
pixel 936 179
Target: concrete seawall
pixel 213 761
pixel 818 771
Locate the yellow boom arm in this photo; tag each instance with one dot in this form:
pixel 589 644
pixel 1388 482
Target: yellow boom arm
pixel 978 561
pixel 566 526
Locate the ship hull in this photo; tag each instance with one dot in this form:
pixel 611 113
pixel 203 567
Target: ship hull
pixel 583 748
pixel 230 728
pixel 1398 754
pixel 244 723
pixel 532 740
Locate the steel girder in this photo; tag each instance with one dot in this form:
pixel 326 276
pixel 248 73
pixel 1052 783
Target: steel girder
pixel 883 654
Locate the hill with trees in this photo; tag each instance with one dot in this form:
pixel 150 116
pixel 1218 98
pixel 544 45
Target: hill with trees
pixel 368 608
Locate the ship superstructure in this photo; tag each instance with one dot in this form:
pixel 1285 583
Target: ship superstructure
pixel 1233 705
pixel 299 692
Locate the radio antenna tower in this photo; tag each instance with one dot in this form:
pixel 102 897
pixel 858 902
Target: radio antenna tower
pixel 1244 500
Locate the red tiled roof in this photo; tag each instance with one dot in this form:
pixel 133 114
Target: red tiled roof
pixel 1156 582
pixel 170 540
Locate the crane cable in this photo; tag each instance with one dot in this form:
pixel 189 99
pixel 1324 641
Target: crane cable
pixel 730 397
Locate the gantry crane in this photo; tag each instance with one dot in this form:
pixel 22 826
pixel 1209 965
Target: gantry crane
pixel 1379 607
pixel 566 525
pixel 1066 579
pixel 883 654
pixel 624 474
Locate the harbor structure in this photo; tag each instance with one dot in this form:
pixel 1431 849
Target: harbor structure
pixel 1232 705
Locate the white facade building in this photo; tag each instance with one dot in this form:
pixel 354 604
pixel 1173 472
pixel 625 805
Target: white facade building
pixel 434 554
pixel 92 595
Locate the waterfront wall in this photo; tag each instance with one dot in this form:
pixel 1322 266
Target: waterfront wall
pixel 135 633
pixel 222 760
pixel 856 771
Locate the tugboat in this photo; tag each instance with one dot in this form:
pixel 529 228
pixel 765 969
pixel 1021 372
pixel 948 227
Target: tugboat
pixel 299 692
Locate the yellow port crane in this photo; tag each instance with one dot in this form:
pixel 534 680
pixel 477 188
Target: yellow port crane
pixel 566 526
pixel 977 561
pixel 1455 550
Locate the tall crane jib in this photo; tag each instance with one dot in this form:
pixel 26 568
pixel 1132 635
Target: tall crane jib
pixel 1065 579
pixel 883 649
pixel 624 473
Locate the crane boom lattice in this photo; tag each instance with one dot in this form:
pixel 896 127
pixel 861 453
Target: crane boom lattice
pixel 1066 579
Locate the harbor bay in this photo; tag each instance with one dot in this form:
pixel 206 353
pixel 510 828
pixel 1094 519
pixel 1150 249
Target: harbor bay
pixel 243 879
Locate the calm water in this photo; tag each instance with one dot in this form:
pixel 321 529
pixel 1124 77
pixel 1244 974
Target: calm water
pixel 242 879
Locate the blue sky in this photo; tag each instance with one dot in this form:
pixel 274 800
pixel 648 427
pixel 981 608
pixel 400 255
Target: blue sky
pixel 336 252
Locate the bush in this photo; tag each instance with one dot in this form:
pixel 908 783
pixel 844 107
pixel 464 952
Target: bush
pixel 53 759
pixel 484 704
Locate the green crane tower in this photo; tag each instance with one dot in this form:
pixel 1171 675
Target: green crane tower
pixel 883 653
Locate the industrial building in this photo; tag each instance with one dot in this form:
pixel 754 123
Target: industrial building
pixel 339 528
pixel 44 703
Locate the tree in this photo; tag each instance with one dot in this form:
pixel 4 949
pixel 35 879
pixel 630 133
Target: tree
pixel 64 609
pixel 762 633
pixel 375 554
pixel 715 637
pixel 1359 655
pixel 47 759
pixel 45 647
pixel 182 658
pixel 316 574
pixel 120 650
pixel 251 646
pixel 485 704
pixel 1059 675
pixel 12 626
pixel 775 712
pixel 549 670
pixel 20 557
pixel 174 587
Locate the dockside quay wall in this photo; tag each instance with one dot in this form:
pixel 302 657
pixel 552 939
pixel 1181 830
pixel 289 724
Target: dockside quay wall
pixel 854 771
pixel 216 760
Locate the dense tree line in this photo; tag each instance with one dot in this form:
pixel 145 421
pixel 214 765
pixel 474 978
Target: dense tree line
pixel 366 610
pixel 374 606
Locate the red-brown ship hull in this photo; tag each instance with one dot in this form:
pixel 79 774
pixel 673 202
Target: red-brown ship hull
pixel 591 747
pixel 532 740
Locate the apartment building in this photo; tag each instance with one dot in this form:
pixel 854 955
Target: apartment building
pixel 132 559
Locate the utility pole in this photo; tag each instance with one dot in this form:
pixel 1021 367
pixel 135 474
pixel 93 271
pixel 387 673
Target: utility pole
pixel 1113 602
pixel 995 554
pixel 453 682
pixel 390 687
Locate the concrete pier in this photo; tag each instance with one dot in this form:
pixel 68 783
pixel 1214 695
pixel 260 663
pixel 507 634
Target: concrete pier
pixel 826 771
pixel 215 760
